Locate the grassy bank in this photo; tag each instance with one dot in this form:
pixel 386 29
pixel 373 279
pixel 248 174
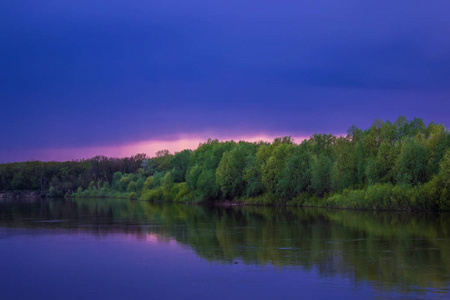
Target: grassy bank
pixel 432 196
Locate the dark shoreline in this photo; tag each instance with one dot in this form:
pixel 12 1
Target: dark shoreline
pixel 21 194
pixel 228 204
pixel 225 203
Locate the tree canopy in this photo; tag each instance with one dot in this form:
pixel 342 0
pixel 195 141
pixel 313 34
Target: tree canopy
pixel 400 159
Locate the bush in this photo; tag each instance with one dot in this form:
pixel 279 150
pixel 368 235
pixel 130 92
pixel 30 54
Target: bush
pixel 153 195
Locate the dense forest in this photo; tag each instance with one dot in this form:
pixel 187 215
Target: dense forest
pixel 400 165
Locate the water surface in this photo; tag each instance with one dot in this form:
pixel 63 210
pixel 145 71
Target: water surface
pixel 120 249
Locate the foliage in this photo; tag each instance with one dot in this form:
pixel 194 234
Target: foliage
pixel 399 165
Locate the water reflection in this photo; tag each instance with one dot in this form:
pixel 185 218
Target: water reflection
pixel 391 250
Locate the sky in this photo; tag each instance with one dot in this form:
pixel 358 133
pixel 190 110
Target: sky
pixel 120 77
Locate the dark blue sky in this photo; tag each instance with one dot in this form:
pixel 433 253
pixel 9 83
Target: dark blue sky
pixel 80 74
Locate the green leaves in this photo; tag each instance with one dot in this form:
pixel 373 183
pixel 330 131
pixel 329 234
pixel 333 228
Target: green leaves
pixel 321 175
pixel 412 163
pixel 404 157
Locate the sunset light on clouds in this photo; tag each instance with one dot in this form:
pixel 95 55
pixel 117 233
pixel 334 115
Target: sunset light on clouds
pixel 148 147
pixel 84 78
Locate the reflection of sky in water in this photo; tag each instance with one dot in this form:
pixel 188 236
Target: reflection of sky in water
pixel 56 265
pixel 109 247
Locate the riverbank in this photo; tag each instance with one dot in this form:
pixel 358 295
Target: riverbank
pixel 432 196
pixel 403 165
pixel 21 194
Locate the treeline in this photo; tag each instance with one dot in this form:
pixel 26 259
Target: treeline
pixel 399 165
pixel 57 179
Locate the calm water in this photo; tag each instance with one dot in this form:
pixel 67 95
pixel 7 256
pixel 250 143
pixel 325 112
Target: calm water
pixel 118 249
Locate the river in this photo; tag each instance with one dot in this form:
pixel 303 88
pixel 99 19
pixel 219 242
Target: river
pixel 121 249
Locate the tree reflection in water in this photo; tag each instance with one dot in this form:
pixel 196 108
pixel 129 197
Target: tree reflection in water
pixel 392 250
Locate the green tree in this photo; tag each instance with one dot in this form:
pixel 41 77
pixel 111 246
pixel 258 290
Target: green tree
pixel 296 175
pixel 179 164
pixel 321 169
pixel 253 177
pixel 273 167
pixel 232 168
pixel 201 174
pixel 345 171
pixel 380 168
pixel 412 163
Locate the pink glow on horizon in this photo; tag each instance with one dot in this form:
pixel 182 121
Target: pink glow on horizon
pixel 149 147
